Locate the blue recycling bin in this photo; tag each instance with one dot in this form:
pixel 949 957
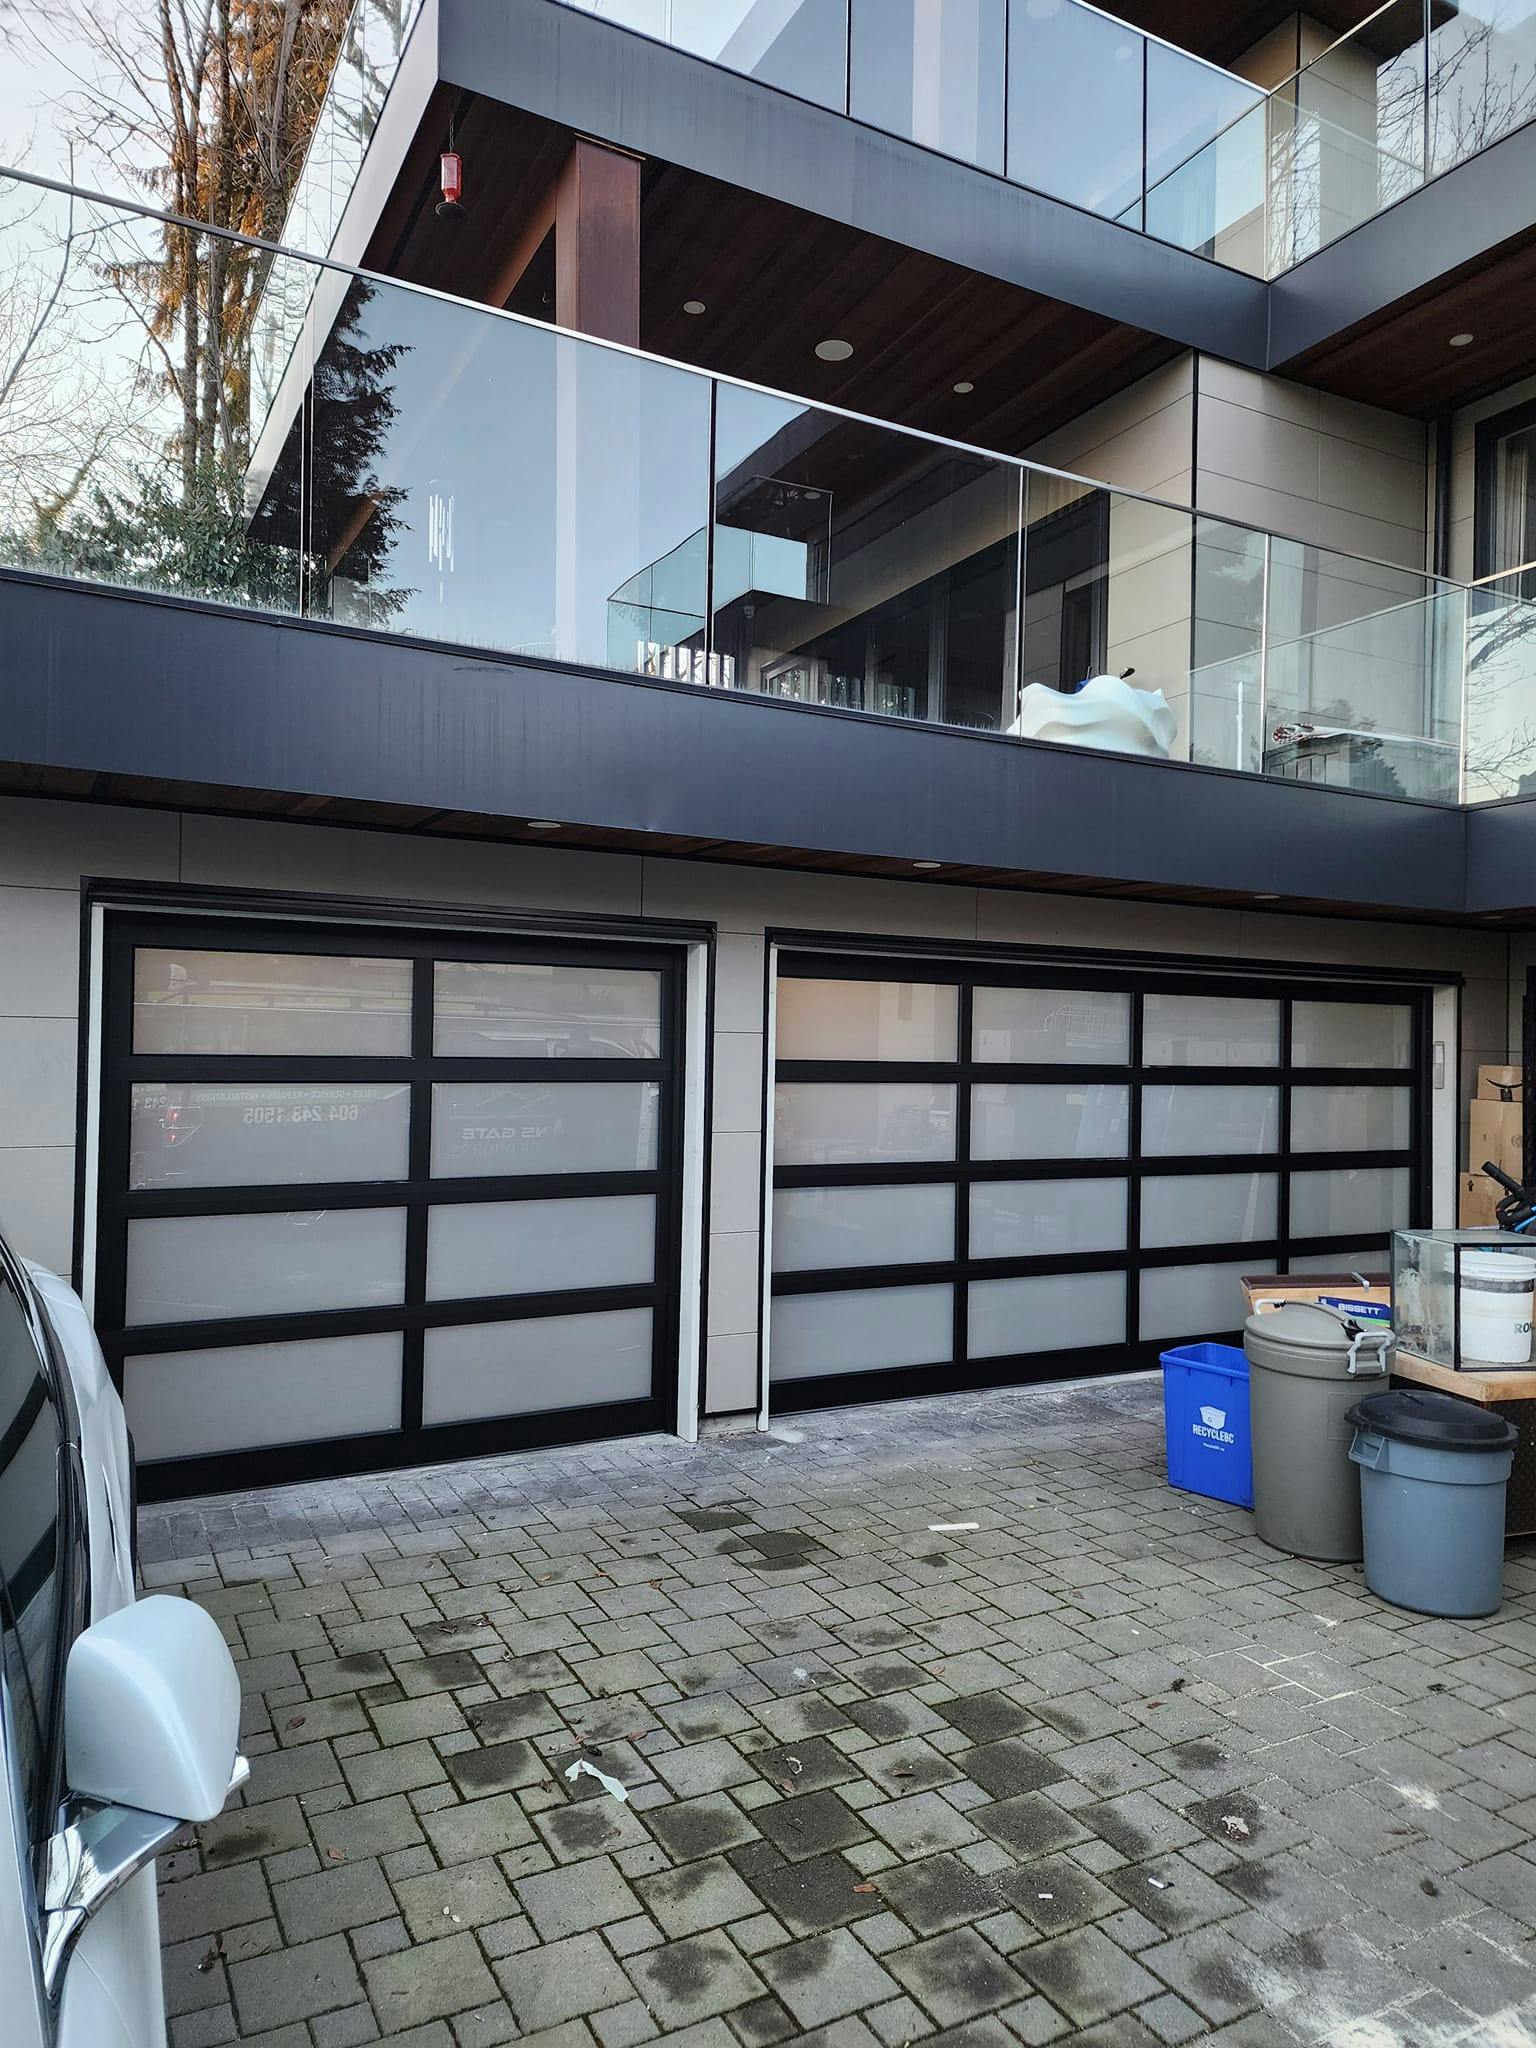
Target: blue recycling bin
pixel 1205 1422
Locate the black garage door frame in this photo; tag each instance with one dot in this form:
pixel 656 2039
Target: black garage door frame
pixel 819 957
pixel 414 1442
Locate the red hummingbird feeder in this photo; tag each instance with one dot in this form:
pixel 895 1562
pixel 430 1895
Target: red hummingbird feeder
pixel 451 178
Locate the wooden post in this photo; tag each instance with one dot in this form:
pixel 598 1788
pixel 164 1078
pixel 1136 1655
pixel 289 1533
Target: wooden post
pixel 592 207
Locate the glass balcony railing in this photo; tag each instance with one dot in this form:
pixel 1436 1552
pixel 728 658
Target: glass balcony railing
pixel 1052 94
pixel 372 45
pixel 1063 98
pixel 446 470
pixel 1417 88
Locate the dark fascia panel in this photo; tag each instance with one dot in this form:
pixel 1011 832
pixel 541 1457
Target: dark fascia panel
pixel 121 684
pixel 1501 857
pixel 1445 225
pixel 590 76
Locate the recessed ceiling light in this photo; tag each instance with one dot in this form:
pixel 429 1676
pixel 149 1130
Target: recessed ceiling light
pixel 1266 896
pixel 544 825
pixel 927 864
pixel 834 351
pixel 694 306
pixel 965 385
pixel 1462 340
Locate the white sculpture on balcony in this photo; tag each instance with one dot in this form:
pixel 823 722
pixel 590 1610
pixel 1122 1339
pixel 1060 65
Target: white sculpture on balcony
pixel 1106 713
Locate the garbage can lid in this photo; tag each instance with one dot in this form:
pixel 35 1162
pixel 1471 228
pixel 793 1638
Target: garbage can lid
pixel 1311 1328
pixel 1441 1422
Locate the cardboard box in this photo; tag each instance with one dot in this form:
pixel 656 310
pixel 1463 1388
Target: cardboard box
pixel 1476 1197
pixel 1496 1133
pixel 1265 1292
pixel 1500 1084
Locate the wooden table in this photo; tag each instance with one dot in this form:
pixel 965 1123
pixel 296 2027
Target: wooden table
pixel 1506 1392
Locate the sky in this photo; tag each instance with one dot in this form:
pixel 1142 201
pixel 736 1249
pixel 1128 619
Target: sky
pixel 41 62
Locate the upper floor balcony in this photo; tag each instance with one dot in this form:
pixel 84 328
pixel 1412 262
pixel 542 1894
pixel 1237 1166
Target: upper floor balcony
pixel 1066 99
pixel 421 467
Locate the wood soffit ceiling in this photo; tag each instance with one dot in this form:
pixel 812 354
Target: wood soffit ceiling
pixel 919 325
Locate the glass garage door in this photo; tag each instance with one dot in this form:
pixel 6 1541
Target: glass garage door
pixel 370 1200
pixel 990 1176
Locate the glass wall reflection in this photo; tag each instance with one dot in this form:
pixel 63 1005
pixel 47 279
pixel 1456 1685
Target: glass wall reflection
pixel 932 70
pixel 862 568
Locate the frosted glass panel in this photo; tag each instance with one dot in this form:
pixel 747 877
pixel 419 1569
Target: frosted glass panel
pixel 218 1135
pixel 1209 1208
pixel 1028 1219
pixel 838 1123
pixel 486 1127
pixel 314 1003
pixel 1351 1034
pixel 1055 1312
pixel 488 1369
pixel 1192 1301
pixel 1351 1198
pixel 1351 1119
pixel 1179 1117
pixel 1049 1120
pixel 1086 1027
pixel 818 1228
pixel 861 1331
pixel 1358 1259
pixel 183 1404
pixel 1210 1031
pixel 476 1248
pixel 508 1009
pixel 189 1269
pixel 865 1020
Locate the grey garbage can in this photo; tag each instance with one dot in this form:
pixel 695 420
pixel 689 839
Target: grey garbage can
pixel 1305 1365
pixel 1432 1476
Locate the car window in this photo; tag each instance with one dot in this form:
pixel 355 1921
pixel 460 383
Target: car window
pixel 30 1437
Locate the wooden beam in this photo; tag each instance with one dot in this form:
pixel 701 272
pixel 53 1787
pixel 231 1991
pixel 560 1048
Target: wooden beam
pixel 592 204
pixel 597 243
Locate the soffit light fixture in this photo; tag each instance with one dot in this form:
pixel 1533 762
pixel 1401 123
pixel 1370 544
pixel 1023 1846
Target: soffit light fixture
pixel 1462 340
pixel 927 865
pixel 834 351
pixel 965 387
pixel 695 307
pixel 544 825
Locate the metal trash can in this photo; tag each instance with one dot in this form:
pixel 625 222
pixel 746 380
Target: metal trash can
pixel 1305 1364
pixel 1432 1475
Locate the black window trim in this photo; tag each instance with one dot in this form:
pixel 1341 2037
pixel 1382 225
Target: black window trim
pixel 1513 420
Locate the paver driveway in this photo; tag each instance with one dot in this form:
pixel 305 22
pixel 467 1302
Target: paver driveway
pixel 1103 1769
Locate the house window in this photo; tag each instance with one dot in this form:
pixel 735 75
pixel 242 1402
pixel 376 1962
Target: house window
pixel 1505 543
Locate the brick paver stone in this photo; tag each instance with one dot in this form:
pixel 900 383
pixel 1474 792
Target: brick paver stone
pixel 1102 1772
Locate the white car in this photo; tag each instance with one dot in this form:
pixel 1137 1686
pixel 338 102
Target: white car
pixel 119 1719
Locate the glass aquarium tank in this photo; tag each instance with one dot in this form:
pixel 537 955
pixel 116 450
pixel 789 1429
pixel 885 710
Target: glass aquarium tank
pixel 1463 1298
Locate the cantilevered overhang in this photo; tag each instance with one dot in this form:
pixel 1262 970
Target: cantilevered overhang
pixel 1371 315
pixel 578 71
pixel 181 702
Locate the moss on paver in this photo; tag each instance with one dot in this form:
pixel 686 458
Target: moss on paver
pixel 1105 1768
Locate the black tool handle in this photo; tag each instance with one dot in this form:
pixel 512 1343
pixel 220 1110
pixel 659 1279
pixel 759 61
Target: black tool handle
pixel 1497 1173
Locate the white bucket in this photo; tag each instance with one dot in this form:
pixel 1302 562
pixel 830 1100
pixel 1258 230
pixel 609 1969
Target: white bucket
pixel 1498 1293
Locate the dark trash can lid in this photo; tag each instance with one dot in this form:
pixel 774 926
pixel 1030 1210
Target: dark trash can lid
pixel 1440 1422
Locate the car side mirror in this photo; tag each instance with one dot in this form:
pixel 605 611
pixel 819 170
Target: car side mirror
pixel 151 1733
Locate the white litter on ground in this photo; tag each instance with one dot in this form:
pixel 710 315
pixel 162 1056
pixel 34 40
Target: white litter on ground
pixel 950 1528
pixel 1419 1796
pixel 581 1768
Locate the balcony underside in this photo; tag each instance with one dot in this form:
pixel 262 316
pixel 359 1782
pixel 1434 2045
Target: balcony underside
pixel 774 279
pixel 574 71
pixel 139 699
